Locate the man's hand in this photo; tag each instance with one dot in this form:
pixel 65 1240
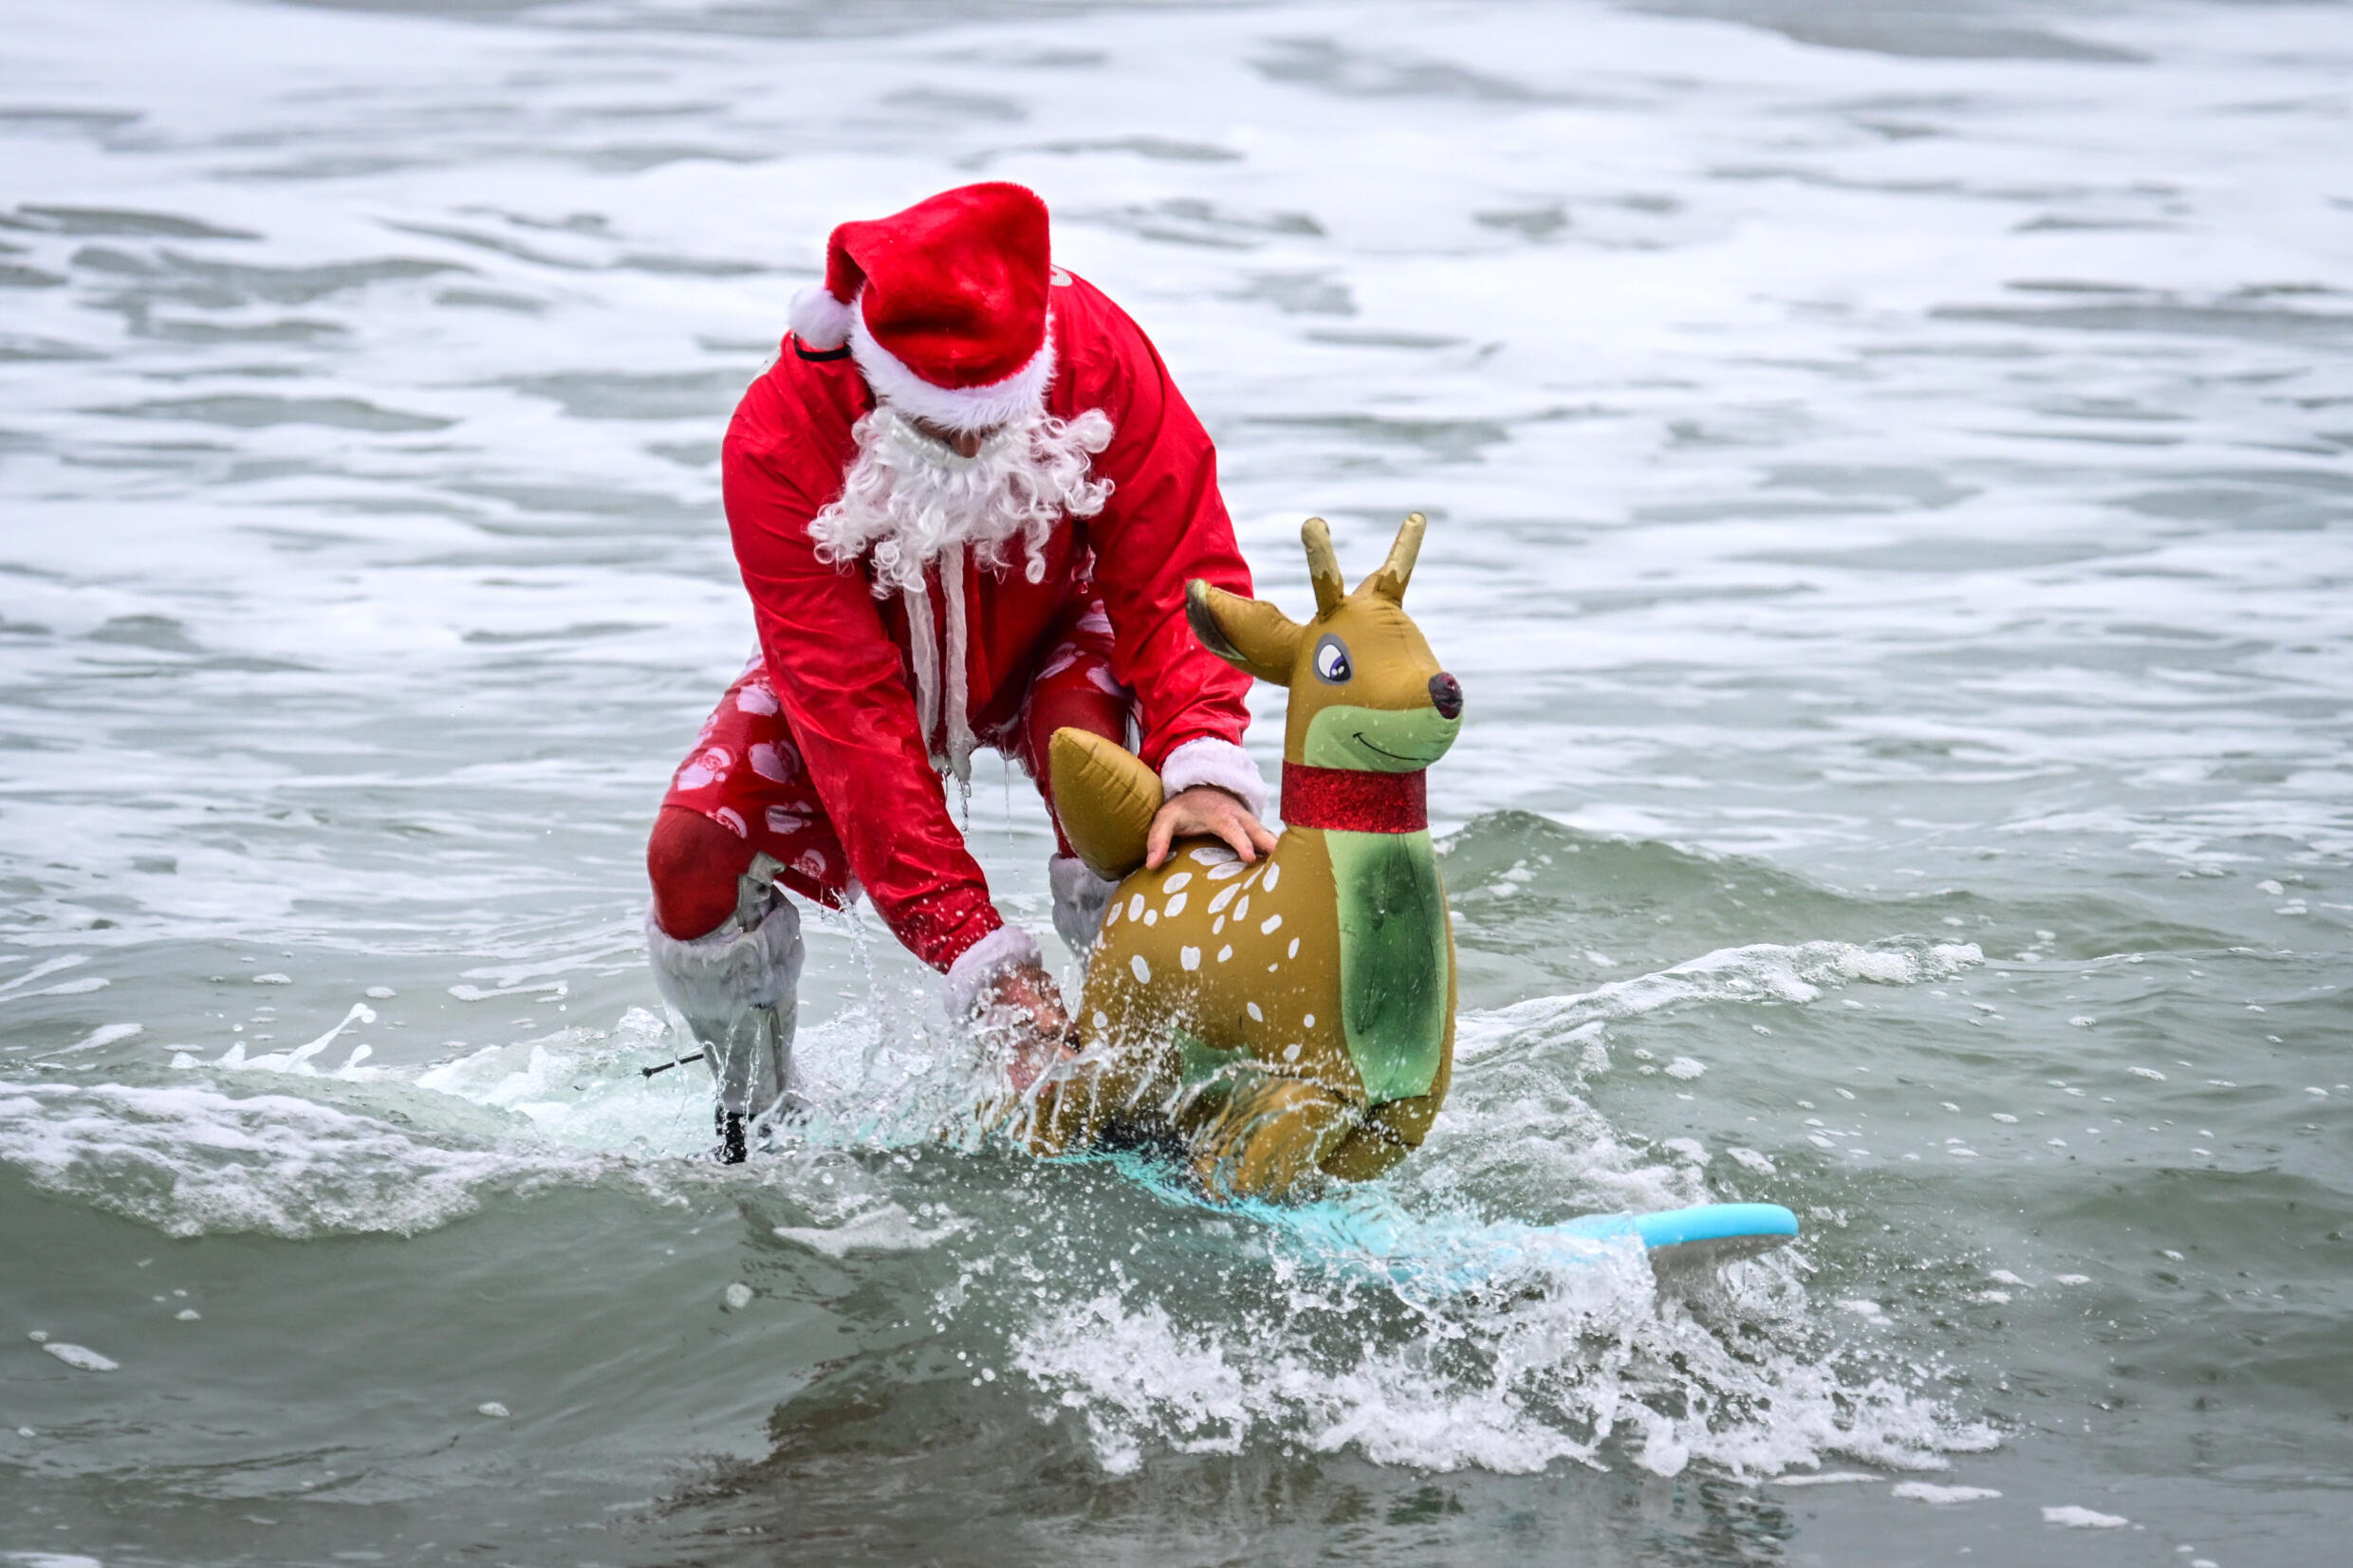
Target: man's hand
pixel 1206 811
pixel 1026 1005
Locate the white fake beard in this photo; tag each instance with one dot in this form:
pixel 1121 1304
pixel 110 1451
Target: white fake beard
pixel 909 498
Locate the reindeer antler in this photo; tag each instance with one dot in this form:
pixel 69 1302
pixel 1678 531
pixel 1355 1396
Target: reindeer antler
pixel 1323 565
pixel 1395 572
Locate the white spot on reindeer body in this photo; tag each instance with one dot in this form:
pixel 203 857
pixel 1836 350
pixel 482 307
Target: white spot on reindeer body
pixel 1267 927
pixel 1113 917
pixel 1218 925
pixel 1152 917
pixel 1177 883
pixel 1291 1052
pixel 1176 906
pixel 1312 1021
pixel 1241 908
pixel 1189 958
pixel 1225 896
pixel 1294 953
pixel 1251 1008
pixel 1135 907
pixel 1274 873
pixel 1224 952
pixel 1103 1020
pixel 1216 855
pixel 1144 970
pixel 1230 867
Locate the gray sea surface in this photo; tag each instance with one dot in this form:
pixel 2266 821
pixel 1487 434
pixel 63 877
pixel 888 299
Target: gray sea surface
pixel 1891 506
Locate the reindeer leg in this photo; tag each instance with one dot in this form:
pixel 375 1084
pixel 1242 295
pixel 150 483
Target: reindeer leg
pixel 1072 1109
pixel 1386 1136
pixel 1069 1113
pixel 1269 1137
pixel 1368 1151
pixel 1394 1129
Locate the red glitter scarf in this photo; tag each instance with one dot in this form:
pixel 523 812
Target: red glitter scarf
pixel 1355 801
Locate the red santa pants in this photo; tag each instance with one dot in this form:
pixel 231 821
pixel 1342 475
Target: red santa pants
pixel 742 789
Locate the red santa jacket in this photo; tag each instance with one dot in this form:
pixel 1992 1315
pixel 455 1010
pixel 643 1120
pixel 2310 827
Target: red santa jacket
pixel 838 657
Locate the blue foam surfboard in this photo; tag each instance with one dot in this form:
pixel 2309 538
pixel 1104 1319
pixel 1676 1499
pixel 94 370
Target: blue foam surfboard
pixel 1709 1234
pixel 1460 1252
pixel 1366 1230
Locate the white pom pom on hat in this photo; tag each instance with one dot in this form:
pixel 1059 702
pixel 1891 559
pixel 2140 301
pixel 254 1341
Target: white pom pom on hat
pixel 819 319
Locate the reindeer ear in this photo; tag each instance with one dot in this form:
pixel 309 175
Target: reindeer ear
pixel 1249 633
pixel 1395 572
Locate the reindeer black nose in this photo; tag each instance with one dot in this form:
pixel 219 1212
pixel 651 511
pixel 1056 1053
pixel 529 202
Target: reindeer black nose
pixel 1446 695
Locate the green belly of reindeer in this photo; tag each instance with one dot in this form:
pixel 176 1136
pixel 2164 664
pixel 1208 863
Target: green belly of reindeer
pixel 1395 963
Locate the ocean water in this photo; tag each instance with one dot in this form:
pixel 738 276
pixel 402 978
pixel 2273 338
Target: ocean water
pixel 1890 496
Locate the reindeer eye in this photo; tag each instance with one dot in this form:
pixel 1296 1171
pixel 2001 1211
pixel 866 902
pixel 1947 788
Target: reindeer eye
pixel 1331 661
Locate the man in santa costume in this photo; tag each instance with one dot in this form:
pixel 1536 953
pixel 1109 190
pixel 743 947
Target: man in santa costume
pixel 965 502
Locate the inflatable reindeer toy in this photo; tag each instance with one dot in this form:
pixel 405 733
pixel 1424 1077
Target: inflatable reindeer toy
pixel 1294 1016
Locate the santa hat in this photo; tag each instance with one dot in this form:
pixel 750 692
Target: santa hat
pixel 942 305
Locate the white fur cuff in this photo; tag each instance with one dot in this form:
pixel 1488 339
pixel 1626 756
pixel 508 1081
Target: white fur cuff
pixel 1207 760
pixel 1005 948
pixel 721 973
